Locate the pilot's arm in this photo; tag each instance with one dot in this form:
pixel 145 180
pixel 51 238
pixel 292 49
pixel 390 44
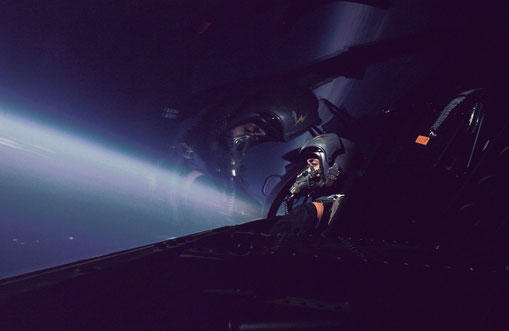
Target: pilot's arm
pixel 307 218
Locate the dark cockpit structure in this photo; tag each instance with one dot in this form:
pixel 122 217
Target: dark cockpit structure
pixel 385 167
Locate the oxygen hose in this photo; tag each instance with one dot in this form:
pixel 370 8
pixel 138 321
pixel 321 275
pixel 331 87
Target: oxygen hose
pixel 231 196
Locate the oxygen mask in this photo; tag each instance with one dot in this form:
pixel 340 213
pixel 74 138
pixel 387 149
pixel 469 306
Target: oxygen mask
pixel 307 181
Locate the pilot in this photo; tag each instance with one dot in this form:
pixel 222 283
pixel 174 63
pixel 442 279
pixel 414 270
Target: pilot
pixel 326 178
pixel 212 153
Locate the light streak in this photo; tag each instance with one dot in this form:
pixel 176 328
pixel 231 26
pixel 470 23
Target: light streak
pixel 73 162
pixel 55 186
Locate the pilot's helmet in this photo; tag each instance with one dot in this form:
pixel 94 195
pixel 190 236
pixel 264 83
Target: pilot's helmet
pixel 326 148
pixel 283 114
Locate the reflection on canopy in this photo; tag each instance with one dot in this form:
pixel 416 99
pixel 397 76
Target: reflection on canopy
pixel 57 186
